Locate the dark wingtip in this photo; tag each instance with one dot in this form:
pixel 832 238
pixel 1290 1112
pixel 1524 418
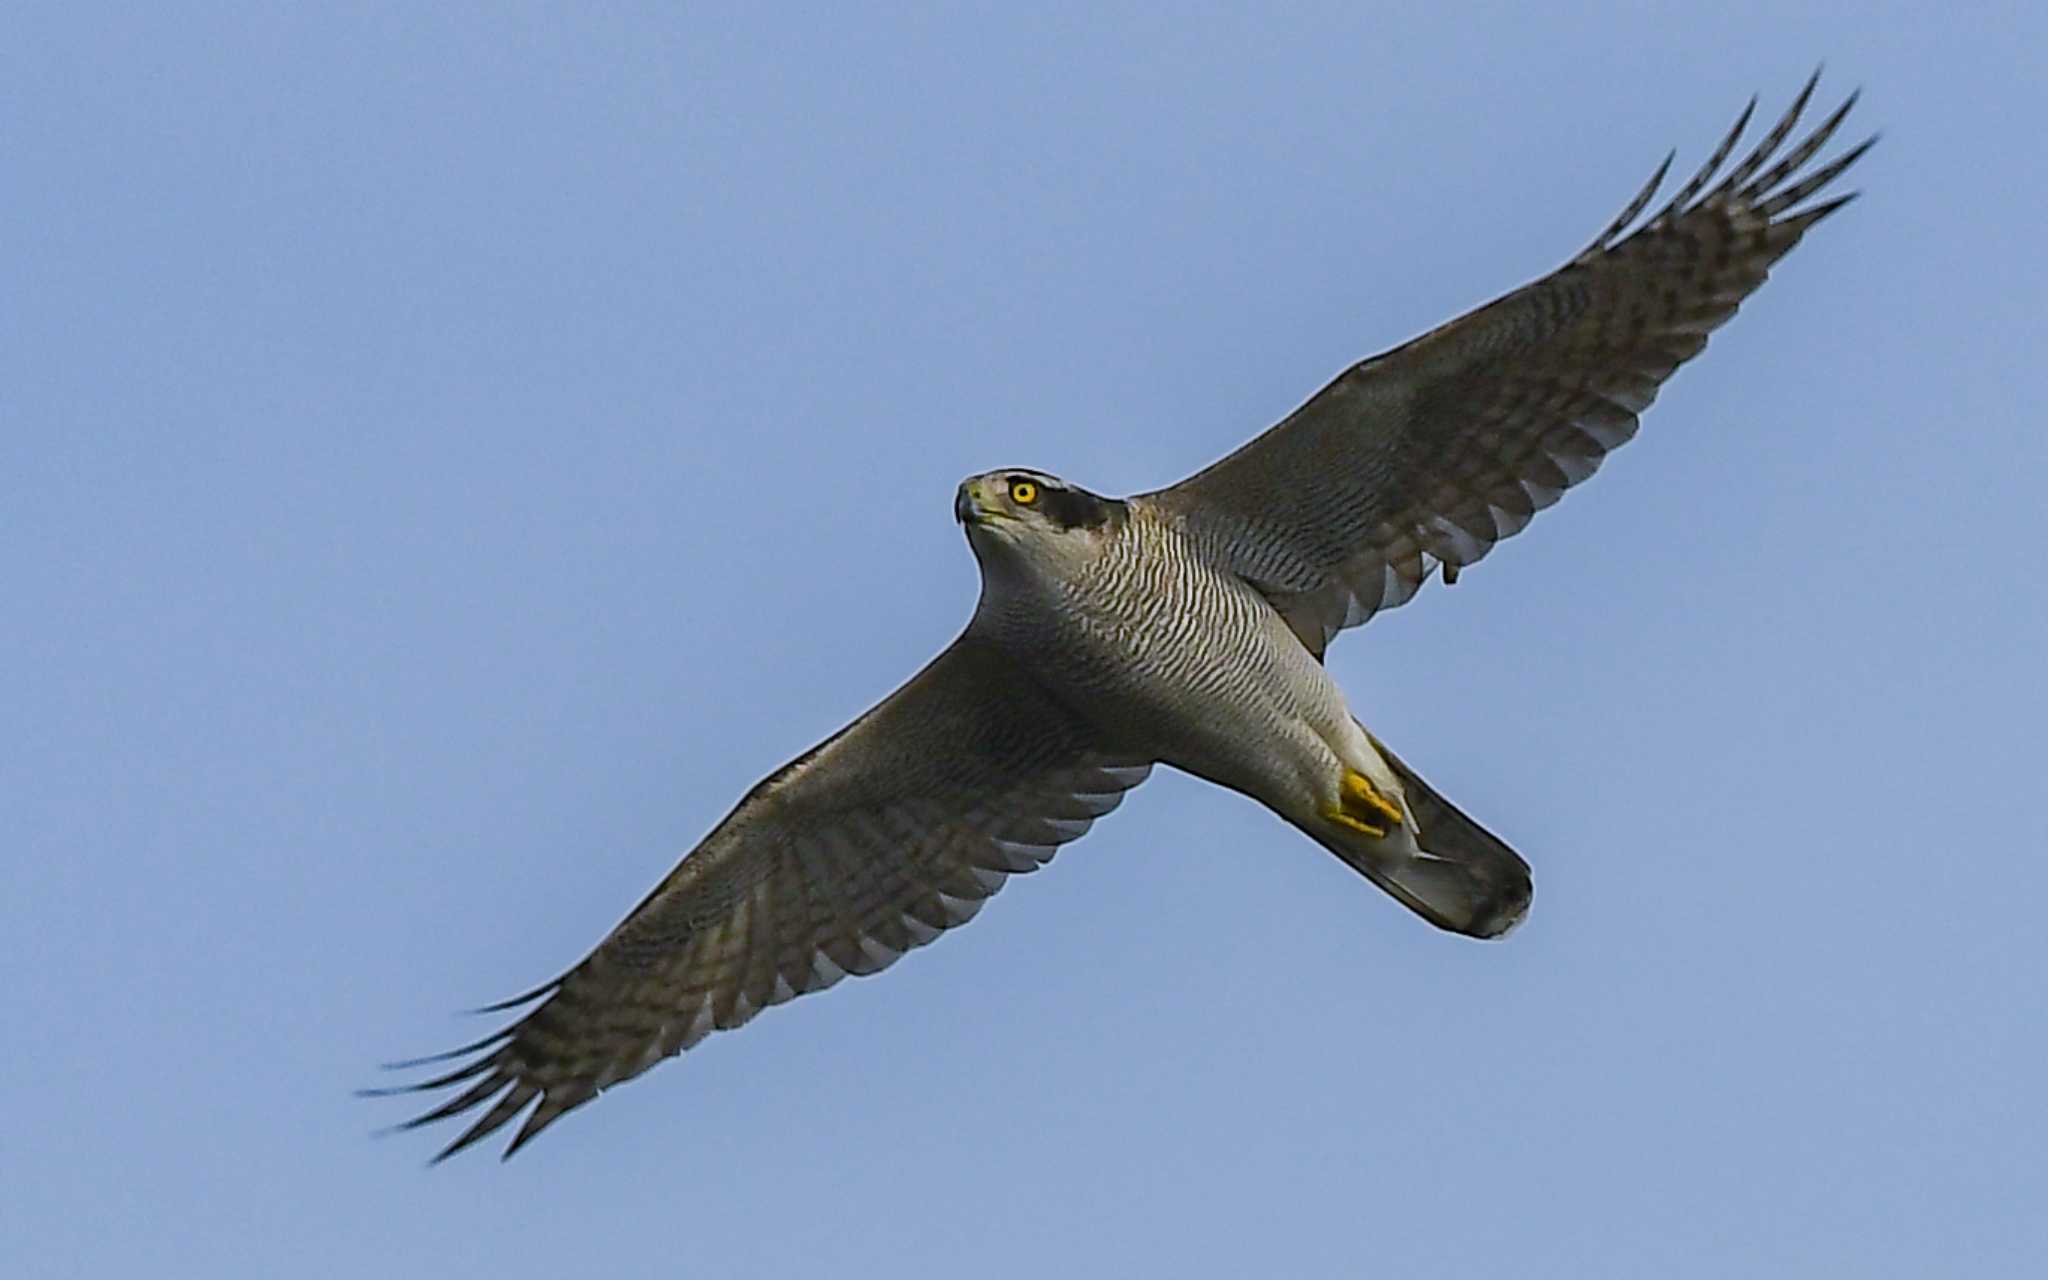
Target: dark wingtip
pixel 1819 212
pixel 1682 199
pixel 1812 81
pixel 449 1055
pixel 544 989
pixel 468 1071
pixel 490 1122
pixel 1635 206
pixel 460 1144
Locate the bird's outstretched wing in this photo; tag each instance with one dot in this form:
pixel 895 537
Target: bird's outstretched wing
pixel 891 831
pixel 1431 453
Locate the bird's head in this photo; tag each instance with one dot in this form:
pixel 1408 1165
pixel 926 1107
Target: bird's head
pixel 1032 514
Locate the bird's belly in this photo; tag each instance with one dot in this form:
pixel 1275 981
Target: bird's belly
pixel 1216 685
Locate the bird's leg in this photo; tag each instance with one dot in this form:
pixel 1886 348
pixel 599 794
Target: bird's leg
pixel 1361 807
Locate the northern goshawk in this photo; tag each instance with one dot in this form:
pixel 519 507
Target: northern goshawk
pixel 1185 626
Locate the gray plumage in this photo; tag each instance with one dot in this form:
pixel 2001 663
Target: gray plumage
pixel 1186 627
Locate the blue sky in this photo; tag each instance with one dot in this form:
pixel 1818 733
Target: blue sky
pixel 447 455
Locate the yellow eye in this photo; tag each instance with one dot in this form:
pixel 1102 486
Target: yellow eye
pixel 1023 492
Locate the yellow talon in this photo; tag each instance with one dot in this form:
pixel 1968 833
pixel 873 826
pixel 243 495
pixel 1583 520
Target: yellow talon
pixel 1361 807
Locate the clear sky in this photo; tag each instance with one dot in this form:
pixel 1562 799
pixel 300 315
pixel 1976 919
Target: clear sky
pixel 448 453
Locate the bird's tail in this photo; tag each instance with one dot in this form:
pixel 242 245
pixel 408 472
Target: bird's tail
pixel 1453 872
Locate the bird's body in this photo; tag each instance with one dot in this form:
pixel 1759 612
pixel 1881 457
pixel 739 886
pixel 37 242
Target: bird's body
pixel 1171 656
pixel 1145 631
pixel 1185 626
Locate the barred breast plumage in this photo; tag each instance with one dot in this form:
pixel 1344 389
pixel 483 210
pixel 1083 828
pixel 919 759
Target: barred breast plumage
pixel 1166 651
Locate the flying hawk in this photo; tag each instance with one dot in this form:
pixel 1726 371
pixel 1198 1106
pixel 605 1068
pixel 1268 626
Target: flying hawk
pixel 1184 626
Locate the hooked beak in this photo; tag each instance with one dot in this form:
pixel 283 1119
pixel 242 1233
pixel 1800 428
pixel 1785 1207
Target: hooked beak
pixel 967 504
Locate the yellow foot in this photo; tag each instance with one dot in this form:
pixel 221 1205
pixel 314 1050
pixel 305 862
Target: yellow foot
pixel 1361 807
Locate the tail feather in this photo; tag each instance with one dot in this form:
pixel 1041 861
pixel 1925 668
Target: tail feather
pixel 1462 877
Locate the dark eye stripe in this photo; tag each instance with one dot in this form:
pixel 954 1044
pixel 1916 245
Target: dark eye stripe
pixel 1073 509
